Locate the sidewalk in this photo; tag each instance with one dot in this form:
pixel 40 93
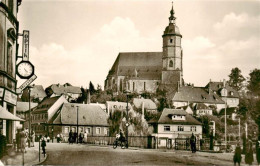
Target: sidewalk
pixel 31 157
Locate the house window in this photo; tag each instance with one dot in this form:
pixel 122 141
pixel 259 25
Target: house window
pixel 167 128
pixel 9 59
pixel 170 40
pixel 98 130
pixel 87 130
pixel 105 131
pixel 133 86
pixel 180 128
pixel 193 128
pixel 231 93
pixel 144 85
pixel 171 63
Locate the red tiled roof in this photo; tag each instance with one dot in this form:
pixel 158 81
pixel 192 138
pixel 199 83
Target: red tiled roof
pixel 217 86
pixel 143 65
pixel 165 117
pixel 45 104
pixel 196 94
pixel 87 115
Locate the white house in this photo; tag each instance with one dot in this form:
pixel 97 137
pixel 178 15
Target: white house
pixel 175 123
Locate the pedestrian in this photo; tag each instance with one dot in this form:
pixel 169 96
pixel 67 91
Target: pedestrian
pixel 237 156
pixel 43 145
pixel 249 153
pixel 75 137
pixel 18 140
pixel 85 137
pixel 258 150
pixel 33 137
pixel 58 138
pixel 81 136
pixel 23 141
pixel 70 137
pixel 193 143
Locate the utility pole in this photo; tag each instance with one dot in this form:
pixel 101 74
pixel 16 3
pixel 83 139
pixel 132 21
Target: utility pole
pixel 77 124
pixel 226 124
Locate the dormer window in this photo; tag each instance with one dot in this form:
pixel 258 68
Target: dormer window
pixel 171 40
pixel 178 117
pixel 231 93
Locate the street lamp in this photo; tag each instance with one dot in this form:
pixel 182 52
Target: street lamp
pixel 29 90
pixel 127 124
pixel 77 124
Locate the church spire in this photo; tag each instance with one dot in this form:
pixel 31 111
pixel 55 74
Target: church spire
pixel 172 18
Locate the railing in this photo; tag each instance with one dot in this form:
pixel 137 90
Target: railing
pixel 133 141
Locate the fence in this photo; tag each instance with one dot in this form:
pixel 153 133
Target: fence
pixel 133 141
pixel 184 144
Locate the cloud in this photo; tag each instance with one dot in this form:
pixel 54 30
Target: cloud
pixel 89 61
pixel 237 26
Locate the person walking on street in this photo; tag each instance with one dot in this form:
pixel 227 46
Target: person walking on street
pixel 71 137
pixel 258 150
pixel 18 140
pixel 237 156
pixel 193 143
pixel 85 137
pixel 23 141
pixel 75 137
pixel 249 158
pixel 33 137
pixel 43 145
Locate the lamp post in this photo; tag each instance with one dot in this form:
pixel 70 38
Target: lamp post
pixel 127 124
pixel 39 148
pixel 29 90
pixel 77 124
pixel 226 124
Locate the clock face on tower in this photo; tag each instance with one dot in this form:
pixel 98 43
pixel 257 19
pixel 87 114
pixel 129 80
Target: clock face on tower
pixel 25 69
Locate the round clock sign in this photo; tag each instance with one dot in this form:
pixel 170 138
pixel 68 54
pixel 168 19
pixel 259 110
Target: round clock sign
pixel 25 69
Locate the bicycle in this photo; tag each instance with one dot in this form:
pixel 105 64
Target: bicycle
pixel 119 142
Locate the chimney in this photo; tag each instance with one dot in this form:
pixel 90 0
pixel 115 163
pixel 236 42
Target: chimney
pixel 142 110
pixel 224 83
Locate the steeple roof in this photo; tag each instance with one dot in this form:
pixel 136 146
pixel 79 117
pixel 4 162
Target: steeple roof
pixel 172 28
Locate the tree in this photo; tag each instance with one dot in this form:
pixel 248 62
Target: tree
pixel 236 79
pixel 254 82
pixel 83 96
pixel 91 88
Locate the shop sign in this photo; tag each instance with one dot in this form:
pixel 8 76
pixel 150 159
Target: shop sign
pixel 25 51
pixel 27 82
pixel 1 92
pixel 10 97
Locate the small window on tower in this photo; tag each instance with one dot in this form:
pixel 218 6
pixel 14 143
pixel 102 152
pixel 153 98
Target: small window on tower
pixel 171 63
pixel 170 40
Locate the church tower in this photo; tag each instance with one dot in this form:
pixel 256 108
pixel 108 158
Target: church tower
pixel 172 54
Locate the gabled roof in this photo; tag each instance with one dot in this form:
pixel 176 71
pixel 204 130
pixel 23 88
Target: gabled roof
pixel 196 94
pixel 46 104
pixel 138 65
pixel 166 114
pixel 148 104
pixel 87 115
pixel 38 92
pixel 24 106
pixel 217 86
pixel 64 89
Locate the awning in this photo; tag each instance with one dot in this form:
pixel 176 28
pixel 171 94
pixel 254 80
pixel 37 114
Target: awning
pixel 6 115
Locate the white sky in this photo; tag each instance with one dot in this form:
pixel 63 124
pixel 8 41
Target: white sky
pixel 78 41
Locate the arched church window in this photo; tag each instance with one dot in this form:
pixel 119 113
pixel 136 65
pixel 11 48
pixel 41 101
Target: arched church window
pixel 171 63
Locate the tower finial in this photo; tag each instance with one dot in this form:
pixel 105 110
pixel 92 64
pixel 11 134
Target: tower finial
pixel 172 18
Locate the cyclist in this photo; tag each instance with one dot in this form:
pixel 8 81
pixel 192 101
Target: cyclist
pixel 121 136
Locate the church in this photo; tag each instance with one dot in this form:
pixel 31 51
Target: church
pixel 140 72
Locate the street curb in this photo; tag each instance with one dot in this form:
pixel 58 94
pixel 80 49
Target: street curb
pixel 38 163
